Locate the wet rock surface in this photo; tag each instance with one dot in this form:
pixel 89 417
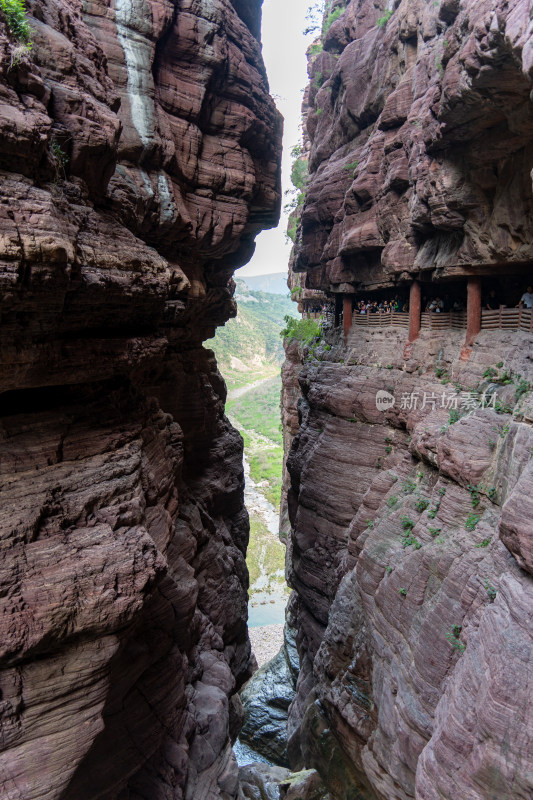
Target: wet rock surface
pixel 266 699
pixel 139 152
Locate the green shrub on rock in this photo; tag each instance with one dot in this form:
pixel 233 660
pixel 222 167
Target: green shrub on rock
pixel 331 18
pixel 304 330
pixel 14 13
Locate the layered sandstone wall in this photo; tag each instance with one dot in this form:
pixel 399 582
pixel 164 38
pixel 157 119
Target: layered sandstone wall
pixel 408 528
pixel 410 540
pixel 139 152
pixel 420 143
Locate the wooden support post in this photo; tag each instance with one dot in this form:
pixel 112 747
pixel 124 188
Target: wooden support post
pixel 347 315
pixel 473 310
pixel 415 307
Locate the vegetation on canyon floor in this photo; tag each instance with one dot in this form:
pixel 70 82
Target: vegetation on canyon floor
pixel 256 415
pixel 249 351
pixel 265 558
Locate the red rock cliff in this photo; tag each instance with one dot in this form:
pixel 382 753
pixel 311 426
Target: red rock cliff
pixel 410 548
pixel 420 133
pixel 139 152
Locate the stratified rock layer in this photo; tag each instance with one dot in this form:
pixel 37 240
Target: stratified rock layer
pixel 139 153
pixel 408 557
pixel 410 528
pixel 419 143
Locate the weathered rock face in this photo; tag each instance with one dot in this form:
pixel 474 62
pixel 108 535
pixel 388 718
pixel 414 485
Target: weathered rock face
pixel 290 396
pixel 261 782
pixel 139 150
pixel 408 559
pixel 305 785
pixel 410 542
pixel 420 143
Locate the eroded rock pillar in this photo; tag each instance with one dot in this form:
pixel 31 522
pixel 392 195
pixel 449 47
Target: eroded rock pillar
pixel 347 314
pixel 415 307
pixel 473 309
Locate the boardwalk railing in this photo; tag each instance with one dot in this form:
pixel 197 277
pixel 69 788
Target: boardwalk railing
pixel 444 320
pixel 510 319
pixel 382 318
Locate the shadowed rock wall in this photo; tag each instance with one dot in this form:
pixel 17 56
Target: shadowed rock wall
pixel 410 532
pixel 139 152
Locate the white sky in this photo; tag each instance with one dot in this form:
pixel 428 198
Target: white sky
pixel 284 47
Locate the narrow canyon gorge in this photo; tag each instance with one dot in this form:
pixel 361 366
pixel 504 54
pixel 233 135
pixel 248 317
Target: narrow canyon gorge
pixel 140 157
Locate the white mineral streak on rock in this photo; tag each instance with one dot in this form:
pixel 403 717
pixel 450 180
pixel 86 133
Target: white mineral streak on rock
pixel 147 182
pixel 166 203
pixel 129 17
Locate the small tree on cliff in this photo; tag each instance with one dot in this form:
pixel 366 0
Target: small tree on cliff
pixel 304 330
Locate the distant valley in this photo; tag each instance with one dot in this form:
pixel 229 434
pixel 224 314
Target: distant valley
pixel 249 348
pixel 249 352
pixel 274 283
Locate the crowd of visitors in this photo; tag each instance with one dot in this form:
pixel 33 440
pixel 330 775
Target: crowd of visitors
pixel 439 304
pixel 442 304
pixel 385 306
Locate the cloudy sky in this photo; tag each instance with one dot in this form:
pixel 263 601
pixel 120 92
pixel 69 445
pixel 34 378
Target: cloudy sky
pixel 284 47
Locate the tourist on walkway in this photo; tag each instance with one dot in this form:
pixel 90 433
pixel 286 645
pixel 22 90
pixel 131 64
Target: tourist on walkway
pixel 491 301
pixel 436 305
pixel 527 298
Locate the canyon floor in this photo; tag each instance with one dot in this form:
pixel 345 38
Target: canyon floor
pixel 249 351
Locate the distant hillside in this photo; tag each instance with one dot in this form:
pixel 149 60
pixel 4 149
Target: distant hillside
pixel 276 283
pixel 249 346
